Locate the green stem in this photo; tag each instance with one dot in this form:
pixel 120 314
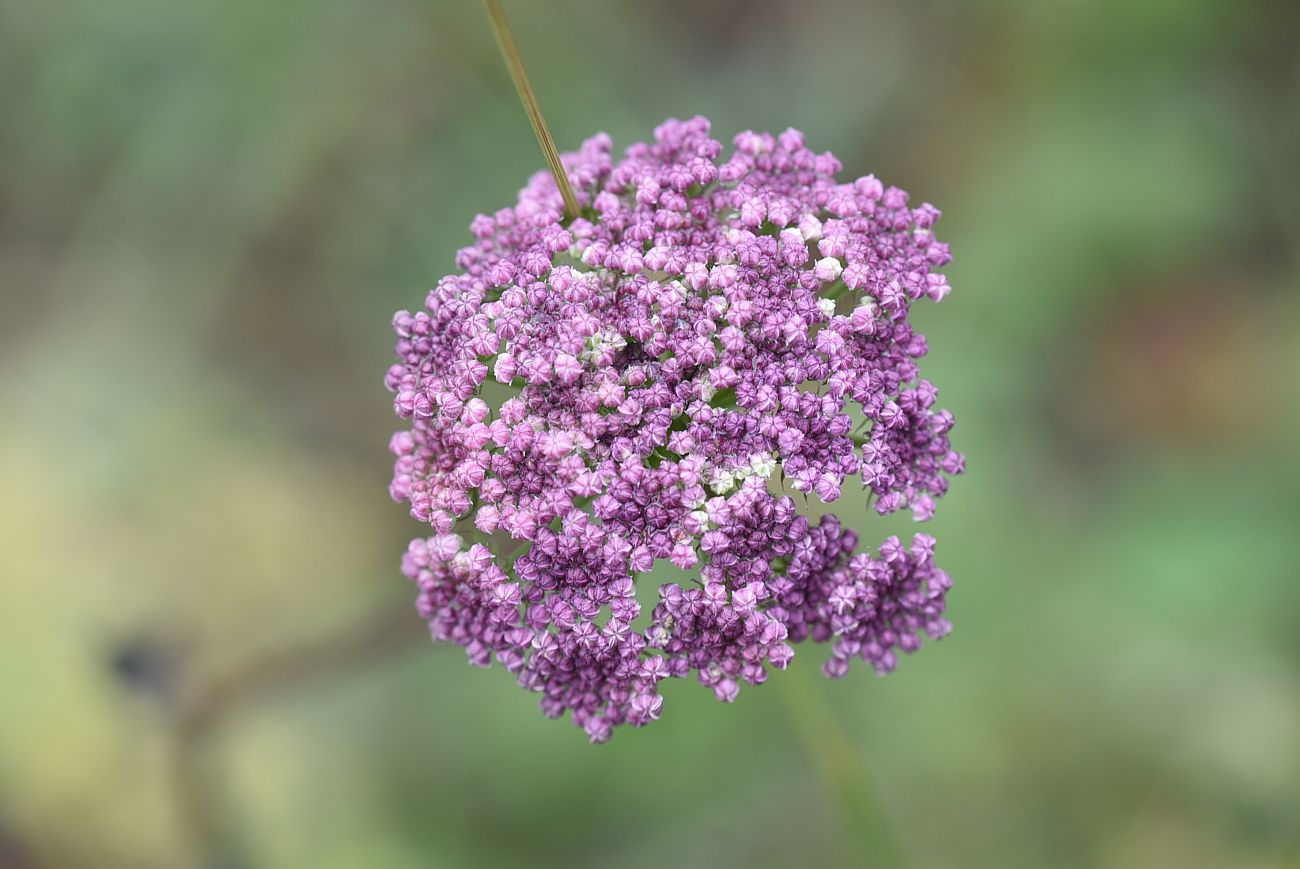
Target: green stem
pixel 843 773
pixel 515 63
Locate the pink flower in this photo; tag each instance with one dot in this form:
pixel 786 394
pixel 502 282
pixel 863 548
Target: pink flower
pixel 676 360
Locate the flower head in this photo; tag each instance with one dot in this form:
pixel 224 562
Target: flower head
pixel 666 378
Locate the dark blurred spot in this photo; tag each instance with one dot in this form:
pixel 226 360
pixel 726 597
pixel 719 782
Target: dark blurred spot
pixel 145 665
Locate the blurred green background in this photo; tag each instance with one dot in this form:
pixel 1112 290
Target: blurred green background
pixel 209 210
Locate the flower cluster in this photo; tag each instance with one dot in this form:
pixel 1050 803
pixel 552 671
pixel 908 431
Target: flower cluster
pixel 716 339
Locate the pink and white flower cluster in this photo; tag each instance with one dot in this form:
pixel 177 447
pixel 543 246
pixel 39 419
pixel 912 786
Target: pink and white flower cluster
pixel 668 377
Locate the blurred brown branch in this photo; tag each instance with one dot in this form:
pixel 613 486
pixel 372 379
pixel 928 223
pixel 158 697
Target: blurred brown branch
pixel 209 704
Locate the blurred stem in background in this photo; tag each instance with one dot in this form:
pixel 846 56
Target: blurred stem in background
pixel 212 703
pixel 842 771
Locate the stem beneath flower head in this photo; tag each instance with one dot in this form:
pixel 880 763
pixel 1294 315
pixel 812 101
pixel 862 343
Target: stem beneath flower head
pixel 515 63
pixel 843 772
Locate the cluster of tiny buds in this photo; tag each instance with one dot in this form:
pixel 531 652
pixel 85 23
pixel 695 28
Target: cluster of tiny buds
pixel 668 376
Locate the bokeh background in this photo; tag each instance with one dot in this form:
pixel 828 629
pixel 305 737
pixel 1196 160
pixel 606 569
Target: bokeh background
pixel 209 210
